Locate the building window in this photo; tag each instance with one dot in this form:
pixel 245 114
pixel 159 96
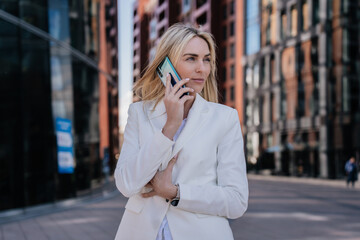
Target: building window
pixel 272 108
pixel 224 53
pixel 224 9
pixel 232 72
pixel 186 6
pixel 232 50
pixel 224 32
pixel 346 96
pixel 232 7
pixel 248 77
pixel 232 28
pixel 272 69
pixel 135 12
pixel 224 95
pixel 202 19
pixel 224 74
pixel 161 16
pixel 316 12
pixel 256 112
pixel 232 93
pixel 267 12
pixel 262 110
pixel 283 25
pixel 256 75
pixel 314 100
pixel 261 71
pixel 345 45
pixel 153 29
pixel 248 113
pixel 199 3
pixel 161 31
pixel 294 21
pixel 345 4
pixel 300 109
pixel 304 15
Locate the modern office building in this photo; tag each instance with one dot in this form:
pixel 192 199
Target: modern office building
pixel 224 19
pixel 59 127
pixel 301 71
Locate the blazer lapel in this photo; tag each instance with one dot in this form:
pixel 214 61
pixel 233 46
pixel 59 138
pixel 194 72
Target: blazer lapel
pixel 196 117
pixel 158 116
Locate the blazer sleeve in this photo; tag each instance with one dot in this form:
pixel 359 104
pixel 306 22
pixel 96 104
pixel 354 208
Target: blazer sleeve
pixel 229 198
pixel 138 164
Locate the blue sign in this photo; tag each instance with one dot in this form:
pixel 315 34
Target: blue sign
pixel 65 147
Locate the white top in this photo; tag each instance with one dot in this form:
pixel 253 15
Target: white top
pixel 164 231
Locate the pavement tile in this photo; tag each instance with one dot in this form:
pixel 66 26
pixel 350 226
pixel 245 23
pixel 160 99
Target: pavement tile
pixel 13 231
pixel 51 229
pixel 32 230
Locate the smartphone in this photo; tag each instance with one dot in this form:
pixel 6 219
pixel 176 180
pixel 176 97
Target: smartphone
pixel 166 67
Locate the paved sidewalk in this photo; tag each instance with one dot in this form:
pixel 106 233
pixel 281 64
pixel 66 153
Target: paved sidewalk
pixel 313 181
pixel 95 220
pixel 98 218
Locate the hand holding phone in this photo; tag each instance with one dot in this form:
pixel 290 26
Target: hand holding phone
pixel 166 67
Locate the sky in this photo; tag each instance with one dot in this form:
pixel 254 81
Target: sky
pixel 125 23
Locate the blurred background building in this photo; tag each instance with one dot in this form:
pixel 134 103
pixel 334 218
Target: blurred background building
pixel 59 99
pixel 302 86
pixel 290 68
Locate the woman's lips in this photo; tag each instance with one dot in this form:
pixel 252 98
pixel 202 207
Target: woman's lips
pixel 198 80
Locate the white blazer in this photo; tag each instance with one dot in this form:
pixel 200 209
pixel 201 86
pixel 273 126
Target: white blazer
pixel 210 170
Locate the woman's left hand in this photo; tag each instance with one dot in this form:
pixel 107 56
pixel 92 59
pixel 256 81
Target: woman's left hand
pixel 161 183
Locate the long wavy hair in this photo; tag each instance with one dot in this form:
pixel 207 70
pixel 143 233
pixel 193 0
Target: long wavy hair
pixel 150 88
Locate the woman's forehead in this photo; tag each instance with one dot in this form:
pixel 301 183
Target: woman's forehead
pixel 196 45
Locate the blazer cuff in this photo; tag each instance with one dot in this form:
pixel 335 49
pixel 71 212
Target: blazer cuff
pixel 162 140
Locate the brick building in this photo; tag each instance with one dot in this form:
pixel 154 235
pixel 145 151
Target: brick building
pixel 152 18
pixel 302 86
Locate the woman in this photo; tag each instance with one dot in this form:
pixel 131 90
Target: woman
pixel 182 163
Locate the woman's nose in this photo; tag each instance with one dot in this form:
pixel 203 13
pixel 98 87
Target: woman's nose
pixel 200 66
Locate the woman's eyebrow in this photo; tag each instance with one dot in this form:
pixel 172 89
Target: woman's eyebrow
pixel 195 55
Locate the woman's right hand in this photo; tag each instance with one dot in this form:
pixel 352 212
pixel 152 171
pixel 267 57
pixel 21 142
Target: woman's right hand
pixel 175 105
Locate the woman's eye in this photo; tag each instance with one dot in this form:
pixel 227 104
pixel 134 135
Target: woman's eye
pixel 207 59
pixel 190 59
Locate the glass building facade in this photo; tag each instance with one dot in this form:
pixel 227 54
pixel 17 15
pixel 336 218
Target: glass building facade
pixel 49 70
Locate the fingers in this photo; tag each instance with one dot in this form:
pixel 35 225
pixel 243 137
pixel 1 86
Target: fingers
pixel 148 194
pixel 185 98
pixel 182 91
pixel 149 185
pixel 168 84
pixel 178 85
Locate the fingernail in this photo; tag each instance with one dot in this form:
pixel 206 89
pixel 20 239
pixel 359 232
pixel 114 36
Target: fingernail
pixel 187 79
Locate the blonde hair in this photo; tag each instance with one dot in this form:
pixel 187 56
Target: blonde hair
pixel 172 44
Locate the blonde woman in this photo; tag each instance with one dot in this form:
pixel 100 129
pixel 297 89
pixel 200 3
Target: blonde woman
pixel 182 163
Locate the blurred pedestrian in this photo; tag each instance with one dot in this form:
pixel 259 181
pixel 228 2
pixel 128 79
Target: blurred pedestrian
pixel 351 172
pixel 182 163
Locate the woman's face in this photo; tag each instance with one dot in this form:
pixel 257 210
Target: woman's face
pixel 194 64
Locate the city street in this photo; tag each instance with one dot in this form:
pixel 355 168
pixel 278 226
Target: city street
pixel 279 208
